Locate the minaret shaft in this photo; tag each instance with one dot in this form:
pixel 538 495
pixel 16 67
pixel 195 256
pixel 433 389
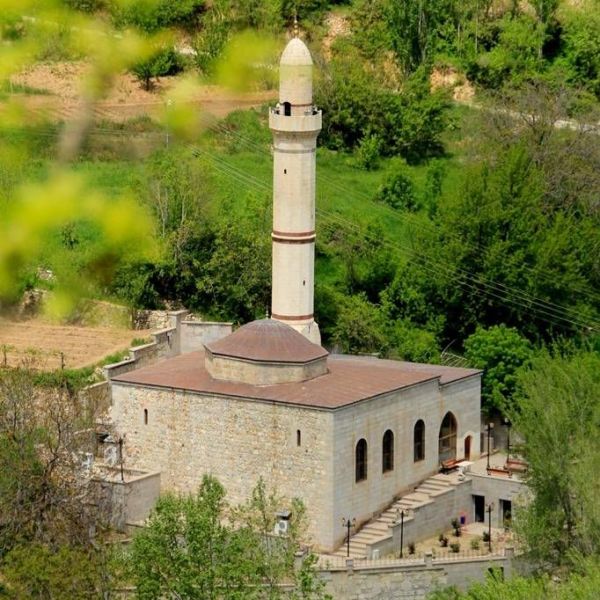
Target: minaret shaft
pixel 295 125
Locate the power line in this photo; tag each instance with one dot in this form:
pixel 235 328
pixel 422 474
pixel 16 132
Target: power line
pixel 475 283
pixel 547 307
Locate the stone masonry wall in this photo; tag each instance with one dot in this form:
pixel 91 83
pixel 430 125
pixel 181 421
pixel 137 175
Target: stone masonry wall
pixel 238 441
pixel 398 412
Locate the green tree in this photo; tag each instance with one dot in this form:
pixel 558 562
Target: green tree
pixel 398 191
pixel 360 327
pixel 558 415
pixel 196 546
pixel 164 61
pixel 501 352
pixel 43 572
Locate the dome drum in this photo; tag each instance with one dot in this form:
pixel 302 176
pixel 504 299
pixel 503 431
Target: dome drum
pixel 265 352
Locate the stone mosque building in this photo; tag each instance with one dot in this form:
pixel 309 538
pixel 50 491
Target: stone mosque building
pixel 346 434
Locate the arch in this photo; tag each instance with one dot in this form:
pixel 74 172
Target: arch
pixel 447 438
pixel 361 460
pixel 387 455
pixel 468 443
pixel 287 109
pixel 419 441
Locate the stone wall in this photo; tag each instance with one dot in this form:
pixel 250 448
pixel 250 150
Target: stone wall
pixel 194 334
pixel 238 441
pixel 409 579
pixel 399 412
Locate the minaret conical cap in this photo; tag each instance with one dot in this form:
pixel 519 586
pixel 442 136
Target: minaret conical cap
pixel 296 54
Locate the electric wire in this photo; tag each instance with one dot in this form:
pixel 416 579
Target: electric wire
pixel 548 308
pixel 431 266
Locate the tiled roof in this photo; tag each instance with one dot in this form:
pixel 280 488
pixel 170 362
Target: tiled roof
pixel 267 340
pixel 349 380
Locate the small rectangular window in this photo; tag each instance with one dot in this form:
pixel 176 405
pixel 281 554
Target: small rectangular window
pixel 298 438
pixel 145 416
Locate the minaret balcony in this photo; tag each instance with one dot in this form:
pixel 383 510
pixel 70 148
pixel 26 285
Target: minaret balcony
pixel 307 123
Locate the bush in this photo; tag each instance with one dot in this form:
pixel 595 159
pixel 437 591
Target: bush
pixel 455 547
pixel 411 548
pixel 486 536
pixel 475 542
pixel 398 191
pixel 443 540
pixel 165 61
pixel 152 15
pixel 367 153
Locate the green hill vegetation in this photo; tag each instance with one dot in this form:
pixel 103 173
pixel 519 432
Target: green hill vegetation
pixel 457 197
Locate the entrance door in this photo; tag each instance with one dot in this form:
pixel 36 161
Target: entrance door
pixel 479 503
pixel 468 447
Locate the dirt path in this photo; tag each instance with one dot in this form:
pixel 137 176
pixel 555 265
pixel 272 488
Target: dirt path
pixel 43 343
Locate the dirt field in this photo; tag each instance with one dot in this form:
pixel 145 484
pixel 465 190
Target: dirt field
pixel 43 342
pixel 60 83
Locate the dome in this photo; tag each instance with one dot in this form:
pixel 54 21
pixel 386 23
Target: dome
pixel 296 54
pixel 265 352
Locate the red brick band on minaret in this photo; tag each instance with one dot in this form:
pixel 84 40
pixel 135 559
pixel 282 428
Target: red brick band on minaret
pixel 279 240
pixel 293 234
pixel 291 318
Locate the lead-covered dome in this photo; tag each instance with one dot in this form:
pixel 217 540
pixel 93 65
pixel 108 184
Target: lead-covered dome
pixel 265 352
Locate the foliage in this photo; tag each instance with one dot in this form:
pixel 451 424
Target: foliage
pixel 367 152
pixel 40 571
pixel 398 191
pixel 153 15
pixel 196 546
pixel 513 244
pixel 360 327
pixel 515 57
pixel 581 39
pixel 558 415
pixel 43 497
pixel 163 62
pixel 500 351
pixel 583 585
pixel 409 123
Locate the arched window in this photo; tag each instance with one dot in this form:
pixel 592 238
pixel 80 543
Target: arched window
pixel 361 460
pixel 387 457
pixel 419 441
pixel 287 109
pixel 447 438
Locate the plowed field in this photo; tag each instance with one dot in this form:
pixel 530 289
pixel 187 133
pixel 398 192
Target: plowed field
pixel 43 343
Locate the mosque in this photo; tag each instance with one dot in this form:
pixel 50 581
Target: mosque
pixel 346 434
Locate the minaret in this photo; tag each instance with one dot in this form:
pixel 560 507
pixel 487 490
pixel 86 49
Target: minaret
pixel 295 124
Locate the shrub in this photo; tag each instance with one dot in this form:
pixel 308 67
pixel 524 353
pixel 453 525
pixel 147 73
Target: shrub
pixel 165 61
pixel 411 548
pixel 152 15
pixel 367 153
pixel 486 536
pixel 443 540
pixel 475 542
pixel 455 547
pixel 398 191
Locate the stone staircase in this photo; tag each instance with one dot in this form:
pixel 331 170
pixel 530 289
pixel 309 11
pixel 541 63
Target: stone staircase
pixel 379 528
